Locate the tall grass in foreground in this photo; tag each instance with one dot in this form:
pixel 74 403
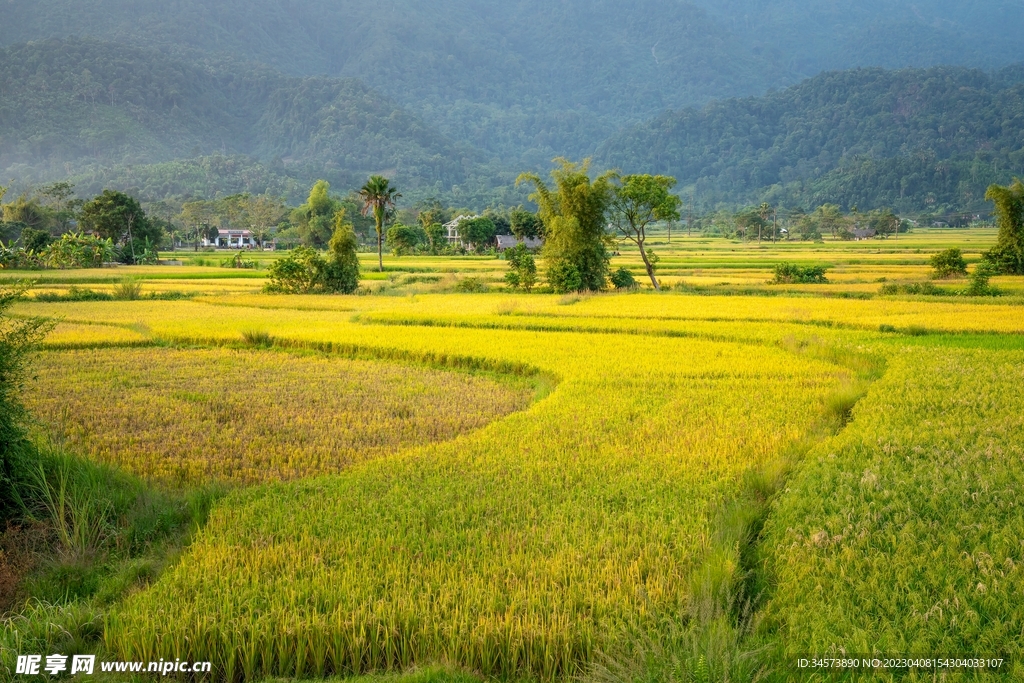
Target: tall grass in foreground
pixel 903 534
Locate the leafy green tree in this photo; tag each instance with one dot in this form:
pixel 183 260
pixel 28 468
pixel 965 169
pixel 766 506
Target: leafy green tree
pixel 830 220
pixel 300 272
pixel 525 224
pixel 884 222
pixel 402 239
pixel 437 237
pixel 315 219
pixel 379 198
pixel 574 216
pixel 637 202
pixel 1008 254
pixel 118 217
pixel 949 263
pixel 749 224
pixel 522 269
pixel 979 284
pixel 64 207
pixel 342 271
pixel 477 232
pixel 27 211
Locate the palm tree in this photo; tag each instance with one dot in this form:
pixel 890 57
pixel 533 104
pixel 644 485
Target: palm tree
pixel 379 196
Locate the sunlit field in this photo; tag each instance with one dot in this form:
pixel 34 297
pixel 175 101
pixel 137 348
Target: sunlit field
pixel 728 474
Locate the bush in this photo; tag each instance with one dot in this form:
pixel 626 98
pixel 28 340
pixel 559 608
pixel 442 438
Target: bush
pixel 979 285
pixel 238 262
pixel 34 240
pixel 564 277
pixel 17 338
pixel 792 274
pixel 623 279
pixel 76 250
pixel 301 272
pixel 470 285
pixel 128 289
pixel 522 272
pixel 305 271
pixel 949 263
pixel 914 288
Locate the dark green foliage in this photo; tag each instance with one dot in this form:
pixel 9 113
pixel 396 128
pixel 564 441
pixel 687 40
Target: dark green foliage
pixel 912 139
pixel 17 338
pixel 949 263
pixel 10 232
pixel 791 274
pixel 1008 254
pixel 478 232
pixel 34 240
pixel 402 239
pixel 118 217
pixel 522 269
pixel 575 219
pixel 623 279
pixel 564 277
pixel 104 103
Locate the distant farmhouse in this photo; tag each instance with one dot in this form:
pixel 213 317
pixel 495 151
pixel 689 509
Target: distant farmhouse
pixel 864 234
pixel 503 241
pixel 509 241
pixel 453 229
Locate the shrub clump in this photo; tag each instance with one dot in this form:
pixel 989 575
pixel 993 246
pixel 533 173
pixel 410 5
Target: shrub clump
pixel 522 269
pixel 305 271
pixel 623 279
pixel 912 288
pixel 949 264
pixel 792 274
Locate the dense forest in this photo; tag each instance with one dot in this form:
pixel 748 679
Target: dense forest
pixel 100 112
pixel 529 80
pixel 913 139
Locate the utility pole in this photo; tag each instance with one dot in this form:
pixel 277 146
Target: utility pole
pixel 775 224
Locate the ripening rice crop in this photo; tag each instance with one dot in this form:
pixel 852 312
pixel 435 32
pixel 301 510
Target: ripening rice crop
pixel 905 533
pixel 520 549
pixel 248 415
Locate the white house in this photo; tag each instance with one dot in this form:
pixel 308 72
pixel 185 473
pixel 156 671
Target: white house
pixel 232 239
pixel 453 228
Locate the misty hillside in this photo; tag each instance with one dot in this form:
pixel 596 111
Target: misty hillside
pixel 69 107
pixel 528 79
pixel 916 139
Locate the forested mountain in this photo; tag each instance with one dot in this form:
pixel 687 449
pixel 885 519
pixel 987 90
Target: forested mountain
pixel 77 107
pixel 529 79
pixel 914 139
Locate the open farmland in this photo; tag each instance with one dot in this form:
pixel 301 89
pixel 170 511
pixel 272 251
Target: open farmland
pixel 523 486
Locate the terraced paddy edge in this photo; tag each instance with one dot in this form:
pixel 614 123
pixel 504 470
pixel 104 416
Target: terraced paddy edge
pixel 194 416
pixel 518 549
pixel 905 533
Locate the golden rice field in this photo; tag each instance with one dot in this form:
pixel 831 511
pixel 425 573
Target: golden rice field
pixel 198 415
pixel 523 486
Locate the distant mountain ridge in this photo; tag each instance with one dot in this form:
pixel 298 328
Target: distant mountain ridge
pixel 70 106
pixel 914 139
pixel 526 80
